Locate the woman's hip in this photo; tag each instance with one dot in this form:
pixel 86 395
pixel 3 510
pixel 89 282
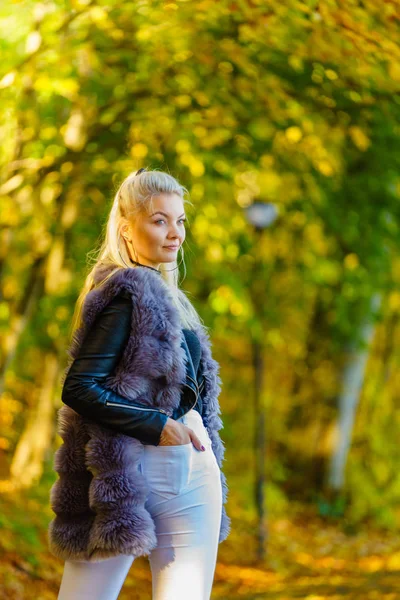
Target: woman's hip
pixel 172 470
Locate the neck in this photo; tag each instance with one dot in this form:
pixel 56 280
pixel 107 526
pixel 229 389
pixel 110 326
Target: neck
pixel 142 265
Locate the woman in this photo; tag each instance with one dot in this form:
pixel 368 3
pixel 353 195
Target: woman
pixel 140 465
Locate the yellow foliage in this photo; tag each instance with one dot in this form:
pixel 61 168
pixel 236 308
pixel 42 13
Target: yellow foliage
pixel 394 301
pixel 394 70
pixel 214 253
pixel 294 134
pixel 274 337
pixel 351 261
pixel 325 167
pixel 269 183
pixel 359 137
pixel 182 146
pixel 139 150
pixel 196 167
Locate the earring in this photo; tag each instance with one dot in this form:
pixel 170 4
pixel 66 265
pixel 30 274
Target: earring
pixel 119 252
pixel 168 270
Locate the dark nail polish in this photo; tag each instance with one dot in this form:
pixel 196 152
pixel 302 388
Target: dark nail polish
pixel 203 448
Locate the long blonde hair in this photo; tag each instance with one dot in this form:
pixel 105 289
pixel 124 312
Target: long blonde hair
pixel 134 195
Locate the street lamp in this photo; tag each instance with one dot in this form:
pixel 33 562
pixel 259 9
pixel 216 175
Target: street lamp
pixel 260 215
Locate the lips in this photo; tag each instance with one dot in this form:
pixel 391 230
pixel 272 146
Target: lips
pixel 172 247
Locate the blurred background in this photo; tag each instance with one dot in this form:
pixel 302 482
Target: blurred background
pixel 283 121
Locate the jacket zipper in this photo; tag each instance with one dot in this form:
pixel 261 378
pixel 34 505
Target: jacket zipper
pixel 108 403
pixel 197 394
pixel 199 388
pixel 195 383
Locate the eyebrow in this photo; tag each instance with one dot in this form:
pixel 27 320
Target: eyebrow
pixel 159 212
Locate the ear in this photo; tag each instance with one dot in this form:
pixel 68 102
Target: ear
pixel 124 229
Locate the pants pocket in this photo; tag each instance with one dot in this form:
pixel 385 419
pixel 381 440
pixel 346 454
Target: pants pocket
pixel 210 449
pixel 167 469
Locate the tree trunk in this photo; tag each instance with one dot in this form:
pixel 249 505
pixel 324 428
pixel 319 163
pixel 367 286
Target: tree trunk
pixel 27 463
pixel 353 378
pixel 33 291
pixel 259 451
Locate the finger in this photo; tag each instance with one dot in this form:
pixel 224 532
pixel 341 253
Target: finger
pixel 198 444
pixel 195 440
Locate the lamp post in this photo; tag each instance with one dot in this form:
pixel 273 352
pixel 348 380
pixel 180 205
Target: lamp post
pixel 260 215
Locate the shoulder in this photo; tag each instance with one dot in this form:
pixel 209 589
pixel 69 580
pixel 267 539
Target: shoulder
pixel 137 283
pixel 123 297
pixel 121 303
pixel 150 295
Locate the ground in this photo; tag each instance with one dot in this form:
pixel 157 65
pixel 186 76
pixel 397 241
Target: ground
pixel 307 557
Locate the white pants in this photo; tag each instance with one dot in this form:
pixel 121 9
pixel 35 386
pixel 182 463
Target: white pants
pixel 185 501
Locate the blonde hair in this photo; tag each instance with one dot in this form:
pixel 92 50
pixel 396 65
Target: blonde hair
pixel 135 195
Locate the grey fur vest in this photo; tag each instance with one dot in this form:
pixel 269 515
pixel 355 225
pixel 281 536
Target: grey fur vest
pixel 99 496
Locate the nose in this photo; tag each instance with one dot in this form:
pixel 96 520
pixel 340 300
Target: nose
pixel 173 236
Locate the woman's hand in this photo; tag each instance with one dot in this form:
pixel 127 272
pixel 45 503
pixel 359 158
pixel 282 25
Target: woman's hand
pixel 176 434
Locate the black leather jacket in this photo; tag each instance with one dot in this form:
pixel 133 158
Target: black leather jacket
pixel 99 354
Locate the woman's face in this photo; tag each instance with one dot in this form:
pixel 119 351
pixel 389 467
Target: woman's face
pixel 154 231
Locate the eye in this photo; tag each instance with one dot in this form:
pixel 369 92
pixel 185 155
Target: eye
pixel 159 220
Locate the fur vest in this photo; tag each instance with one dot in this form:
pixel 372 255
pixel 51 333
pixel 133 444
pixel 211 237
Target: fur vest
pixel 99 496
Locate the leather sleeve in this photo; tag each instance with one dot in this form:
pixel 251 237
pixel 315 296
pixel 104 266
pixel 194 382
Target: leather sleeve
pixel 99 354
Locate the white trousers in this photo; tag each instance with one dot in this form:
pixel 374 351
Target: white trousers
pixel 185 501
